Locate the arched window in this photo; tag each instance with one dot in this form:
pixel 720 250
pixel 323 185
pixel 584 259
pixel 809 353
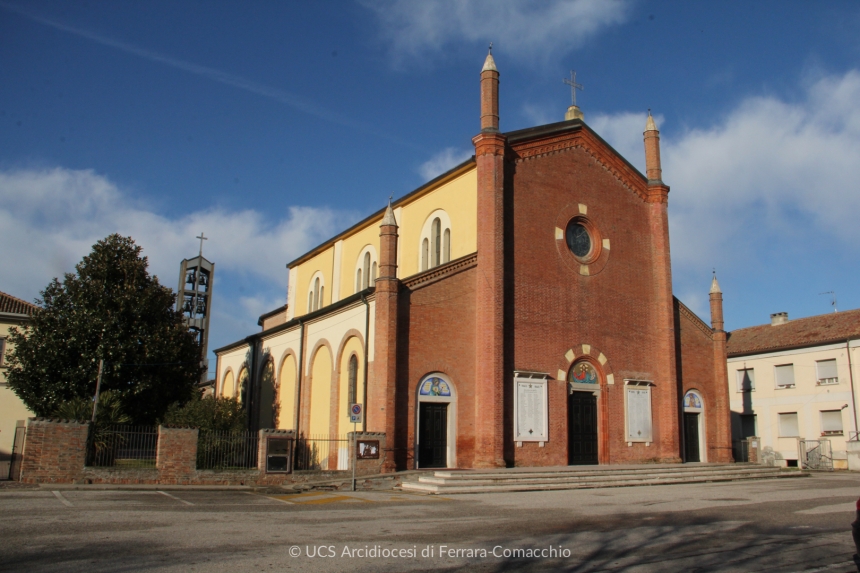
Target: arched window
pixel 316 294
pixel 366 268
pixel 436 241
pixel 353 378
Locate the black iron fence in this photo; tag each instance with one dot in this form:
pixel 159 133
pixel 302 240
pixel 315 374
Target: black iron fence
pixel 227 450
pixel 122 446
pixel 322 452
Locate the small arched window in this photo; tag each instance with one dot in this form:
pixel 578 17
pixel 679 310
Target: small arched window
pixel 366 268
pixel 425 253
pixel 316 304
pixel 446 246
pixel 353 378
pixel 436 241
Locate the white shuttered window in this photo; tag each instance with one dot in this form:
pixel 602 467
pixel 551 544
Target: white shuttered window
pixel 784 375
pixel 788 427
pixel 826 371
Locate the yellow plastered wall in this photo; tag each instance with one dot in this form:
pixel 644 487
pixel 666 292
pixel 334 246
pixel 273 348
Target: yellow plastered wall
pixel 287 394
pixel 352 246
pixel 321 372
pixel 458 197
pixel 323 263
pixel 352 346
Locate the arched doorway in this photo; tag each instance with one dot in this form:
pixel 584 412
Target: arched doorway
pixel 694 428
pixel 582 428
pixel 436 435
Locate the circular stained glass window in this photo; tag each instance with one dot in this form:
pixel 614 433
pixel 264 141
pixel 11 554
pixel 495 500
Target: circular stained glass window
pixel 578 239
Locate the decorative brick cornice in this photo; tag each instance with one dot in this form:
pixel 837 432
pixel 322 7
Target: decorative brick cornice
pixel 441 272
pixel 694 318
pixel 599 151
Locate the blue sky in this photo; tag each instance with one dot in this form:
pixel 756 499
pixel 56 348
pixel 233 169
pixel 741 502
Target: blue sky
pixel 271 125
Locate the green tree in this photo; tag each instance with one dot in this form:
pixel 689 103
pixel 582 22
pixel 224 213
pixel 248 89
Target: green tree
pixel 110 309
pixel 209 413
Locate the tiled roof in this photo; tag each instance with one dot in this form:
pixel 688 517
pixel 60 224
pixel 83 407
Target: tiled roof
pixel 810 331
pixel 12 305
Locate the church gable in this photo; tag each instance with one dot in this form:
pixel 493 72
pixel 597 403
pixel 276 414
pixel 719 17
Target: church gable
pixel 532 144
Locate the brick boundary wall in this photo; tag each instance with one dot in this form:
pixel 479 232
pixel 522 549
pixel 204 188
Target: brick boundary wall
pixel 55 452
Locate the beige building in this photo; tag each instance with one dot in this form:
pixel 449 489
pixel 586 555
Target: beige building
pixel 793 380
pixel 13 312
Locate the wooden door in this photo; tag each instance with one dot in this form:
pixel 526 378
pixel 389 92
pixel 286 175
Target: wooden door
pixel 433 435
pixel 581 428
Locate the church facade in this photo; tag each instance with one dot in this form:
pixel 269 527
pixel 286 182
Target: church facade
pixel 515 311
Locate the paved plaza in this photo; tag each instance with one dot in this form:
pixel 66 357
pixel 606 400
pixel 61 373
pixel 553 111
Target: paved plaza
pixel 771 525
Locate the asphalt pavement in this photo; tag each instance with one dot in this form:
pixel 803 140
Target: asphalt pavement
pixel 772 525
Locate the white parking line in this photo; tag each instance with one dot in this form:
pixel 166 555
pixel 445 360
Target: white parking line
pixel 59 496
pixel 174 497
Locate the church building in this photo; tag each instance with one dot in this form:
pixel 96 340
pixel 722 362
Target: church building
pixel 514 311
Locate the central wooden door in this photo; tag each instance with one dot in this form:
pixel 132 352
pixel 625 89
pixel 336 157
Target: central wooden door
pixel 433 435
pixel 691 438
pixel 581 428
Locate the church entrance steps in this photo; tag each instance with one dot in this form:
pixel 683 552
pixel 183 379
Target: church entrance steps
pixel 531 479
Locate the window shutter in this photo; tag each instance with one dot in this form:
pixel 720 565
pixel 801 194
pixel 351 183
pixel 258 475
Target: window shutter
pixel 826 369
pixel 788 427
pixel 831 421
pixel 785 375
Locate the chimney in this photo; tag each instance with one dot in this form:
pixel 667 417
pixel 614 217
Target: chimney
pixel 778 318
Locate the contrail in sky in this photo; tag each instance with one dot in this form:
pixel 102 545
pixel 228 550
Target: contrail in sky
pixel 213 74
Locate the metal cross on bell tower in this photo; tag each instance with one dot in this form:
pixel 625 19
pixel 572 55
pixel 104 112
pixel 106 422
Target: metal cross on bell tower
pixel 194 297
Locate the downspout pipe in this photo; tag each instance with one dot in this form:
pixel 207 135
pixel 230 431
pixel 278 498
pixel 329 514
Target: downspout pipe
pixel 366 346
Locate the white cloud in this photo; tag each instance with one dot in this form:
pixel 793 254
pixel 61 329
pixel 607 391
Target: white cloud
pixel 443 161
pixel 524 30
pixel 50 218
pixel 767 166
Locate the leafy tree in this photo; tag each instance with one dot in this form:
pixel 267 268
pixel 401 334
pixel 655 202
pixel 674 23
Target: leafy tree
pixel 209 413
pixel 110 309
pixel 110 410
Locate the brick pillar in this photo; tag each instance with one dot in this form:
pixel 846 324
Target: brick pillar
pixel 382 390
pixel 489 360
pixel 667 409
pixel 176 455
pixel 368 466
pixel 55 451
pixel 721 451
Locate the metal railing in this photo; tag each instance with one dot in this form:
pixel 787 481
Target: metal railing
pixel 322 452
pixel 227 450
pixel 815 455
pixel 122 446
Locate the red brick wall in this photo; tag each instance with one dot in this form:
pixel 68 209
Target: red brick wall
pixel 54 451
pixel 618 309
pixel 696 368
pixel 176 454
pixel 438 336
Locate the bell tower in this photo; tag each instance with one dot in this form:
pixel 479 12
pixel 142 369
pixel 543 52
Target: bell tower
pixel 194 299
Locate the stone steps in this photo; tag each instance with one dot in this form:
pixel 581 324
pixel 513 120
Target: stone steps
pixel 451 482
